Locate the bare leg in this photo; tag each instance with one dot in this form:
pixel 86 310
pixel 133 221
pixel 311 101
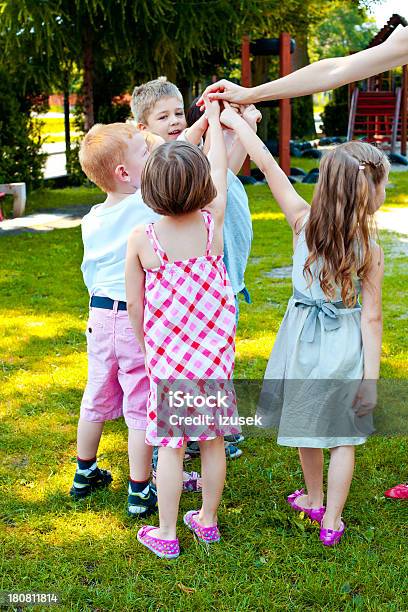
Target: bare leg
pixel 339 478
pixel 169 483
pixel 213 465
pixel 311 460
pixel 140 455
pixel 88 437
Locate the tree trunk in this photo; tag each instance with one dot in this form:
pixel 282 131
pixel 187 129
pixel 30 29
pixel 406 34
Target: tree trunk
pixel 66 117
pixel 303 119
pixel 88 82
pixel 186 91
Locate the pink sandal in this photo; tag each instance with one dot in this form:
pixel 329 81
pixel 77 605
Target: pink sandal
pixel 191 485
pixel 205 534
pixel 331 537
pixel 165 549
pixel 315 514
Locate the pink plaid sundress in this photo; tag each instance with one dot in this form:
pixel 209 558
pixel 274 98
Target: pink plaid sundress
pixel 189 327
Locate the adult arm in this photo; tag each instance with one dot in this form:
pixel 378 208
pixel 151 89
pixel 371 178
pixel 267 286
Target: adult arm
pixel 322 75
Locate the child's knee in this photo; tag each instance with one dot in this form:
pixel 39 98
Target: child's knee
pixel 215 442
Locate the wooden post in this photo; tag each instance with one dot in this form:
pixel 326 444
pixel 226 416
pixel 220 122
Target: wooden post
pixel 246 81
pixel 404 103
pixel 284 105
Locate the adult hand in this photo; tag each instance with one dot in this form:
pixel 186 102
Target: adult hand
pixel 225 90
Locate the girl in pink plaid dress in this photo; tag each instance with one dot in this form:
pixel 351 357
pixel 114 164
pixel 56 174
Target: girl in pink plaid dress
pixel 182 308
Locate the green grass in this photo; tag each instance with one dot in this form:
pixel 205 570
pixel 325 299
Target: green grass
pixel 52 129
pixel 44 199
pixel 269 558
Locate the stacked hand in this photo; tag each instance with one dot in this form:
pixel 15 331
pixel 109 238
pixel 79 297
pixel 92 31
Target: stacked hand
pixel 251 115
pixel 212 108
pixel 230 115
pixel 225 90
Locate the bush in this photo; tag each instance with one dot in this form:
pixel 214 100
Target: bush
pixel 75 175
pixel 20 138
pixel 336 113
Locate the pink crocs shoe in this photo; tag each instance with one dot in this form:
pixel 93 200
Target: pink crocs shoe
pixel 205 534
pixel 315 514
pixel 398 492
pixel 330 537
pixel 166 549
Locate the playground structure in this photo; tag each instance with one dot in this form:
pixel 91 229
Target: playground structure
pixel 378 107
pixel 282 46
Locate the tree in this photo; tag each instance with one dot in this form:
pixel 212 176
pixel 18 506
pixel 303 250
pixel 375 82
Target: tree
pixel 344 30
pixel 20 142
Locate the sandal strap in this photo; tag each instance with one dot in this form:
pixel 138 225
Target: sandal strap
pixel 205 533
pixel 163 546
pixel 192 483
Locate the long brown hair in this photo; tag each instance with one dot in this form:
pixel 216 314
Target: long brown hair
pixel 340 227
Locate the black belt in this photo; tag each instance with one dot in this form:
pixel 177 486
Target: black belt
pixel 98 301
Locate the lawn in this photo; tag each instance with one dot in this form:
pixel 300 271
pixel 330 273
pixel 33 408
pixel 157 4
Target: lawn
pixel 45 198
pixel 52 129
pixel 87 553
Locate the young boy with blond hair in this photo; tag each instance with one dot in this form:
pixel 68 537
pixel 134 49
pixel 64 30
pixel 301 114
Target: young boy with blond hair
pixel 113 157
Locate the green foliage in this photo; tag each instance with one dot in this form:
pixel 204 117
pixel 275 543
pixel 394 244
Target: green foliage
pixel 75 174
pixel 345 29
pixel 336 113
pixel 303 125
pixel 20 137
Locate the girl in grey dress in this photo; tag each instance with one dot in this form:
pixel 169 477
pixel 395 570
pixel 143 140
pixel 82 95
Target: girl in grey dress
pixel 321 376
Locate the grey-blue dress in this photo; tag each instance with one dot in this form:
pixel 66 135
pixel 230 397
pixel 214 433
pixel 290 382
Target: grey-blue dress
pixel 315 368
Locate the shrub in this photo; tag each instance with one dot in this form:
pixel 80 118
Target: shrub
pixel 336 113
pixel 20 139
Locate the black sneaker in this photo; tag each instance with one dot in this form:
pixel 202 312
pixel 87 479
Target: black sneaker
pixel 234 438
pixel 97 479
pixel 192 450
pixel 142 504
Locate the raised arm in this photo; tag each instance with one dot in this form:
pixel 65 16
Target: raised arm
pixel 135 286
pixel 195 133
pixel 237 154
pixel 292 205
pixel 320 76
pixel 217 156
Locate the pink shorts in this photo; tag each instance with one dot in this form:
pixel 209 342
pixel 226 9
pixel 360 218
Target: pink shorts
pixel 117 380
